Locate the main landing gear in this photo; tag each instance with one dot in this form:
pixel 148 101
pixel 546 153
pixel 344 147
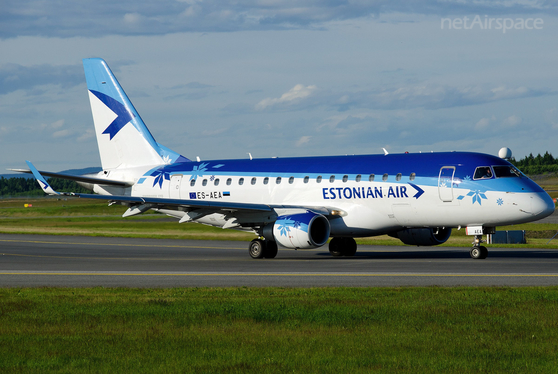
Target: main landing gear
pixel 262 248
pixel 342 247
pixel 478 251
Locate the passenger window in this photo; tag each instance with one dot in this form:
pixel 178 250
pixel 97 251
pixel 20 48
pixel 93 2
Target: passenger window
pixel 412 176
pixel 278 180
pixel 216 182
pixel 192 182
pixel 319 179
pixel 229 181
pixel 253 181
pixel 241 181
pixel 306 179
pixel 266 180
pixel 358 178
pixel 385 177
pixel 345 178
pixel 291 180
pixel 204 183
pixel 332 179
pixel 483 172
pixel 398 177
pixel 371 178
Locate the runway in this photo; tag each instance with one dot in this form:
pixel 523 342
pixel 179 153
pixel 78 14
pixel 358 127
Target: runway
pixel 71 261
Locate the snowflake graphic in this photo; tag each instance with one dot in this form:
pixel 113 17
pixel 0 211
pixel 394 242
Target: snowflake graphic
pixel 285 226
pixel 443 184
pixel 197 171
pixel 160 176
pixel 167 160
pixel 477 196
pixel 467 178
pixel 212 178
pixel 500 202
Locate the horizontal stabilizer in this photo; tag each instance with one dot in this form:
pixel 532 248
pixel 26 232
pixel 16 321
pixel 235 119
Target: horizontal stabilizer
pixel 79 178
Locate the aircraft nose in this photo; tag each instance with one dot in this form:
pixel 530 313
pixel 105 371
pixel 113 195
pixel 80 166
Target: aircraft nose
pixel 542 205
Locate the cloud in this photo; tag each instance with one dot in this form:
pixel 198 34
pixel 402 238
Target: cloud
pixel 294 96
pixel 61 133
pixel 427 96
pixel 194 91
pixel 482 124
pixel 512 121
pixel 15 77
pixel 130 17
pixel 303 140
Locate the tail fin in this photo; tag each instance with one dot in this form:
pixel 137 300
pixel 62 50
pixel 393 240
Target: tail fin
pixel 123 139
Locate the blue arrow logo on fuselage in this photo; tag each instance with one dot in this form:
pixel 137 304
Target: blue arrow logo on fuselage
pixel 123 115
pixel 420 191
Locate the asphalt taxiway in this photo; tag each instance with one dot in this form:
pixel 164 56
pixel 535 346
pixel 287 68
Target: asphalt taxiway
pixel 71 261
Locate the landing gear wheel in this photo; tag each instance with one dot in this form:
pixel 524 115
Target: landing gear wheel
pixel 336 247
pixel 484 252
pixel 257 248
pixel 479 252
pixel 270 249
pixel 342 247
pixel 350 247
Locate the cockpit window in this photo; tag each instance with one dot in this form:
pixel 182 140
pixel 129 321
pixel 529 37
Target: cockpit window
pixel 483 172
pixel 506 172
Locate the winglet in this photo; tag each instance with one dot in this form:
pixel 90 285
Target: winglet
pixel 41 180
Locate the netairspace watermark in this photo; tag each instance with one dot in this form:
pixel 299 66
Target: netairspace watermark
pixel 489 23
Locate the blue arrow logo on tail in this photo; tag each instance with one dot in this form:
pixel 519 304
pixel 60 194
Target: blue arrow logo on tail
pixel 123 115
pixel 420 191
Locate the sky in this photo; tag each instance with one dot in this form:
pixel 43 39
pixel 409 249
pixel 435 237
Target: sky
pixel 220 80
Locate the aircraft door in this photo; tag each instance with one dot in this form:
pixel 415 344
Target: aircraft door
pixel 445 183
pixel 174 189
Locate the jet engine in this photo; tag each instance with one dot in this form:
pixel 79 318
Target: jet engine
pixel 424 237
pixel 301 231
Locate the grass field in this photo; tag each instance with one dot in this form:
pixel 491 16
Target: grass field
pixel 263 330
pixel 276 330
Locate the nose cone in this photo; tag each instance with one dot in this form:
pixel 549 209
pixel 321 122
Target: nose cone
pixel 542 205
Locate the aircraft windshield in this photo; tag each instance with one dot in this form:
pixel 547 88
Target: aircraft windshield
pixel 506 172
pixel 483 172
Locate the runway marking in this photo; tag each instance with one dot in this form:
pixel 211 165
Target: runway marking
pixel 115 244
pixel 408 275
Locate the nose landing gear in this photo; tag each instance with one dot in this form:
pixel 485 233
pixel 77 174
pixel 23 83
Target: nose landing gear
pixel 478 252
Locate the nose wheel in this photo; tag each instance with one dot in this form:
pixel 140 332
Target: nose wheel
pixel 478 252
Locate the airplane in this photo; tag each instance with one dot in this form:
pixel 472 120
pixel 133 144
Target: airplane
pixel 301 202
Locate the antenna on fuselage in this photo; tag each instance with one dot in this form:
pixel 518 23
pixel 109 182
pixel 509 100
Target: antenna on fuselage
pixel 249 154
pixel 385 152
pixel 198 158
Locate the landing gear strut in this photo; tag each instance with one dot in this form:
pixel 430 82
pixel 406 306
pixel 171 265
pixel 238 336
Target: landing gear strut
pixel 478 251
pixel 342 247
pixel 262 249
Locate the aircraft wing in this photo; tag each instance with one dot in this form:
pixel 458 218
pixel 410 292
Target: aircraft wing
pixel 78 178
pixel 142 204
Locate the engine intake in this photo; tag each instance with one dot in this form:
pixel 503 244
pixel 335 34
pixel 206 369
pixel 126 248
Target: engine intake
pixel 301 231
pixel 424 237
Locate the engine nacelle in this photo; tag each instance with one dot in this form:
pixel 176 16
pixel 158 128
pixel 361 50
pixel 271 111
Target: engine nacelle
pixel 424 237
pixel 301 231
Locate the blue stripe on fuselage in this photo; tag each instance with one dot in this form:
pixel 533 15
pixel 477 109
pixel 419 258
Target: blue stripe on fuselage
pixel 426 166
